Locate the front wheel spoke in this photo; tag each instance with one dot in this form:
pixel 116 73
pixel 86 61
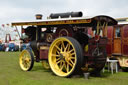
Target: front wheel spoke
pixel 25 65
pixel 23 57
pixel 28 64
pixel 23 62
pixel 26 56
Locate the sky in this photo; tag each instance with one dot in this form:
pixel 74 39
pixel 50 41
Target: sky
pixel 25 10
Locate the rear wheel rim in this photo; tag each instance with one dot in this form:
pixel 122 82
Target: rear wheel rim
pixel 62 57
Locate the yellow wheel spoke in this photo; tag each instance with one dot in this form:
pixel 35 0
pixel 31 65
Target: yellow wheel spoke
pixel 63 44
pixel 69 64
pixel 58 59
pixel 71 50
pixel 72 57
pixel 29 60
pixel 58 62
pixel 58 52
pixel 61 68
pixel 58 48
pixel 66 47
pixel 28 64
pixel 25 65
pixel 61 63
pixel 55 55
pixel 67 69
pixel 72 54
pixel 72 62
pixel 61 48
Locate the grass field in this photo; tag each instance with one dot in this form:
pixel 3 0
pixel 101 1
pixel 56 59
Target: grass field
pixel 11 74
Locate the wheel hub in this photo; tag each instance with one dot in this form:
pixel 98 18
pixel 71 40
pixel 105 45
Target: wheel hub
pixel 66 56
pixel 27 59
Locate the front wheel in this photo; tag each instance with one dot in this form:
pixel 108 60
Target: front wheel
pixel 65 56
pixel 26 60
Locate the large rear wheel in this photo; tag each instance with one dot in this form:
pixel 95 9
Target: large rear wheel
pixel 26 60
pixel 100 60
pixel 65 56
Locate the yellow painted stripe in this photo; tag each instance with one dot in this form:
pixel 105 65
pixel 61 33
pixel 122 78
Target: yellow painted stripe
pixel 53 22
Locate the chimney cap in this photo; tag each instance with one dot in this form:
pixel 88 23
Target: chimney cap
pixel 38 16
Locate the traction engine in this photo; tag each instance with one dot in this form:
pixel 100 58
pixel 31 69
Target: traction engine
pixel 66 43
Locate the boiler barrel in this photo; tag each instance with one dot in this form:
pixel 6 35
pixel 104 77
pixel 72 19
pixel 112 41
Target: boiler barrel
pixel 66 15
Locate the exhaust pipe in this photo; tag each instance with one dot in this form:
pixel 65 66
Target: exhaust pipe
pixel 66 15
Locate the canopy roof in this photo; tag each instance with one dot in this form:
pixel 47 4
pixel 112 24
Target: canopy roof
pixel 62 21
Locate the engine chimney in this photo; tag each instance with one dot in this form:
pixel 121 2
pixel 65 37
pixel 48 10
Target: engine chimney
pixel 38 16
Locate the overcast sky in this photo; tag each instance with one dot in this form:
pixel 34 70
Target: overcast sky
pixel 23 10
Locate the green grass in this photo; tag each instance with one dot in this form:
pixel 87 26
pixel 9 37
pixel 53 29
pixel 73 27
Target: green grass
pixel 11 74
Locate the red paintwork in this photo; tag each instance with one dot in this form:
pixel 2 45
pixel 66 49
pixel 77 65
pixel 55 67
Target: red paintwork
pixel 125 40
pixel 108 49
pixel 125 49
pixel 64 31
pixel 109 46
pixel 90 58
pixel 43 54
pixel 125 34
pixel 110 32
